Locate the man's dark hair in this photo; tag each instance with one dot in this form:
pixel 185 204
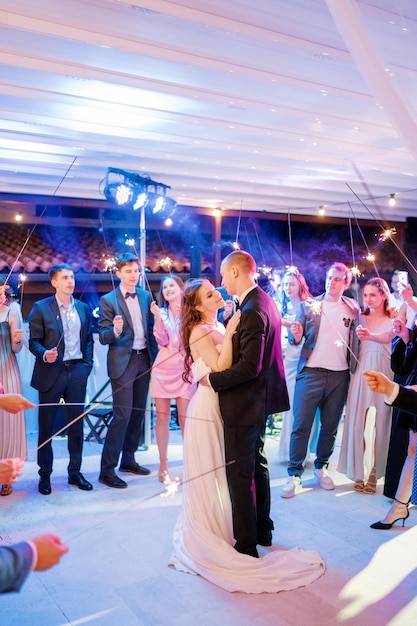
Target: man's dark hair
pixel 125 258
pixel 58 268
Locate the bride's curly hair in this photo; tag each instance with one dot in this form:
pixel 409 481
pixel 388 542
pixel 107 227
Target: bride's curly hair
pixel 190 318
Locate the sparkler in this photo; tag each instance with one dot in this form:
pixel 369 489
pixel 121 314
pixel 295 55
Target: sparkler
pixel 23 279
pixel 109 264
pixel 172 485
pixel 387 234
pixel 35 225
pixel 166 263
pixel 314 306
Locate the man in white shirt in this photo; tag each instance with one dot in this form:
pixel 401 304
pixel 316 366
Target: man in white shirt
pixel 328 325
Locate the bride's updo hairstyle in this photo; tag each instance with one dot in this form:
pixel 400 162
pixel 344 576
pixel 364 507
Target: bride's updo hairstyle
pixel 190 318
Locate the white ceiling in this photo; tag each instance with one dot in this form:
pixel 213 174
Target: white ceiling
pixel 235 104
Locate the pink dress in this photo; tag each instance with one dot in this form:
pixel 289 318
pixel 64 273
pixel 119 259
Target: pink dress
pixel 167 370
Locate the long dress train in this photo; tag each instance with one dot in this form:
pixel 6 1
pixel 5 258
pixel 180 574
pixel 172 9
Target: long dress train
pixel 203 536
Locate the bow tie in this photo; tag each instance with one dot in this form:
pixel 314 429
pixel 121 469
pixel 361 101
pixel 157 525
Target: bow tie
pixel 130 295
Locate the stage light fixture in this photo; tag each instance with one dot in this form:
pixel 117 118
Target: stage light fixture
pixel 137 191
pixel 392 201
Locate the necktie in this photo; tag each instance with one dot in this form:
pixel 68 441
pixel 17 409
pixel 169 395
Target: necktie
pixel 130 295
pixel 237 304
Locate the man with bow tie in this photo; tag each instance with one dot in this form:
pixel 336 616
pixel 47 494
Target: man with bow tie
pixel 126 326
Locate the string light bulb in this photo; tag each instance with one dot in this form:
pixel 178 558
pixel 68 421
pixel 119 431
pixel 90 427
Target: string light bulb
pixel 392 201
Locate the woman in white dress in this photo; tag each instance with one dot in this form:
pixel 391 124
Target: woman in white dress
pixel 367 425
pixel 203 535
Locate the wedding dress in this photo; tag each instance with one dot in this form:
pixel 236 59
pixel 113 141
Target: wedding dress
pixel 203 535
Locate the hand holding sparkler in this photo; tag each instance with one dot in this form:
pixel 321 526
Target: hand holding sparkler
pixel 17 336
pixel 10 469
pixel 155 310
pixel 118 325
pixel 14 402
pixel 50 356
pixel 296 330
pixel 406 293
pixel 363 333
pixel 376 381
pixel 400 329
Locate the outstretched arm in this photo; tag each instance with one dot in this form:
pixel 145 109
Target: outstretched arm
pixel 379 382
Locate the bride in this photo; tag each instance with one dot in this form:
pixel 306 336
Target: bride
pixel 203 535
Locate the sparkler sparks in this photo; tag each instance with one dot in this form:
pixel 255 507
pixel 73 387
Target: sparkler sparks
pixel 171 486
pixel 314 306
pixel 370 257
pixel 339 343
pixel 292 269
pixel 109 264
pixel 265 270
pixel 387 234
pixel 356 271
pixel 166 262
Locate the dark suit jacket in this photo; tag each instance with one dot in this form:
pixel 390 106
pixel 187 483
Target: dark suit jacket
pixel 311 323
pixel 404 357
pixel 406 400
pixel 15 565
pixel 254 386
pixel 46 332
pixel 120 349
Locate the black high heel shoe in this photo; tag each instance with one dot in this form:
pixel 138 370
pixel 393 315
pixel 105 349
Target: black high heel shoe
pixel 382 526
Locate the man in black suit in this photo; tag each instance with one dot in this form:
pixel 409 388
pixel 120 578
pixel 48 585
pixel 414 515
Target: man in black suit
pixel 251 389
pixel 126 326
pixel 62 341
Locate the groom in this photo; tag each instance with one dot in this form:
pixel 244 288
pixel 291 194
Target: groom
pixel 251 389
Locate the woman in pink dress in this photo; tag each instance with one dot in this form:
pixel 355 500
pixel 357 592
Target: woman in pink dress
pixel 166 377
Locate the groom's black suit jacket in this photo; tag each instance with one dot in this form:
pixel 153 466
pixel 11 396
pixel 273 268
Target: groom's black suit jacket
pixel 254 386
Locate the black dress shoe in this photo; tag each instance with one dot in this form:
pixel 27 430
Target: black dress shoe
pixel 135 468
pixel 113 481
pixel 44 486
pixel 79 481
pixel 265 539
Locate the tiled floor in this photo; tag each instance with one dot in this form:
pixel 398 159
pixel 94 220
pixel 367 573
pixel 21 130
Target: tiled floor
pixel 116 572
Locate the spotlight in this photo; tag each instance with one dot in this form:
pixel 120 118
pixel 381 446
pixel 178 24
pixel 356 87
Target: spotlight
pixel 392 201
pixel 19 216
pixel 137 191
